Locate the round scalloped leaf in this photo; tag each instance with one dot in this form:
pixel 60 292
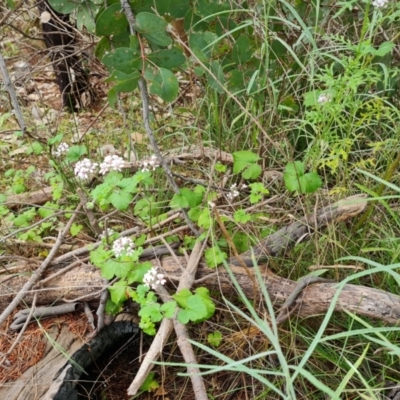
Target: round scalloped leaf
pixel 125 82
pixel 169 58
pixel 150 23
pixel 123 59
pixel 176 8
pixel 111 21
pixel 152 27
pixel 85 16
pixel 242 50
pixel 165 85
pixel 64 6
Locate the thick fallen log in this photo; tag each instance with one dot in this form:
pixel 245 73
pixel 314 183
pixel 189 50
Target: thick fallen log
pixel 85 281
pixel 365 301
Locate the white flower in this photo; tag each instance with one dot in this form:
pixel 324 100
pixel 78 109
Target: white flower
pixel 111 163
pixel 123 245
pixel 324 98
pixel 149 164
pixel 85 168
pixel 107 233
pixel 233 193
pixel 61 149
pixel 381 4
pixel 152 278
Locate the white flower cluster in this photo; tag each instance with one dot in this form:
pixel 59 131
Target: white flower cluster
pixel 61 149
pixel 152 279
pixel 107 233
pixel 85 168
pixel 234 191
pixel 123 245
pixel 381 4
pixel 111 163
pixel 149 164
pixel 324 98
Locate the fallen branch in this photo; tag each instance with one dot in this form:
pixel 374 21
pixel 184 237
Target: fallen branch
pixel 186 282
pixel 39 272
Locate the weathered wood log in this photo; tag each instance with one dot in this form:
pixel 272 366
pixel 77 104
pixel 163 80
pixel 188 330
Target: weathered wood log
pixel 373 303
pixel 365 301
pixel 86 280
pixel 38 197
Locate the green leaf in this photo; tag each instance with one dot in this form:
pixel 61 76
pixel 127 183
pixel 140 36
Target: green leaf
pixel 194 198
pixel 119 268
pixel 176 8
pixel 205 219
pixel 75 229
pixel 150 384
pixel 296 168
pixel 118 291
pixel 18 188
pixel 252 171
pixel 121 200
pixel 125 60
pixel 169 309
pixel 241 159
pixel 178 201
pixel 36 148
pixel 241 217
pixel 296 179
pixel 257 192
pixel 85 16
pixel 195 310
pixel 165 85
pixel 214 338
pixel 152 27
pixel 170 58
pixel 75 153
pixel 182 297
pixel 128 184
pixel 64 6
pixel 150 23
pixel 147 326
pixel 241 241
pixel 384 48
pixel 56 139
pixel 199 44
pixel 194 213
pixel 139 271
pixel 125 83
pixel 111 21
pixel 100 256
pixel 112 308
pixel 310 182
pixel 242 50
pixel 204 293
pixel 25 218
pixel 214 256
pixel 220 167
pixel 151 311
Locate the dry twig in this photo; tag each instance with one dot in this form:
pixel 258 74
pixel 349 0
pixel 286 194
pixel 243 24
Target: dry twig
pixel 39 272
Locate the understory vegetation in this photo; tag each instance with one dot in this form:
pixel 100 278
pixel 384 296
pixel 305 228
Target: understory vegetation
pixel 218 122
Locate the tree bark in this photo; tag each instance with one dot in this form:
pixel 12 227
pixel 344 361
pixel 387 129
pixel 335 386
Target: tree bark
pixel 71 75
